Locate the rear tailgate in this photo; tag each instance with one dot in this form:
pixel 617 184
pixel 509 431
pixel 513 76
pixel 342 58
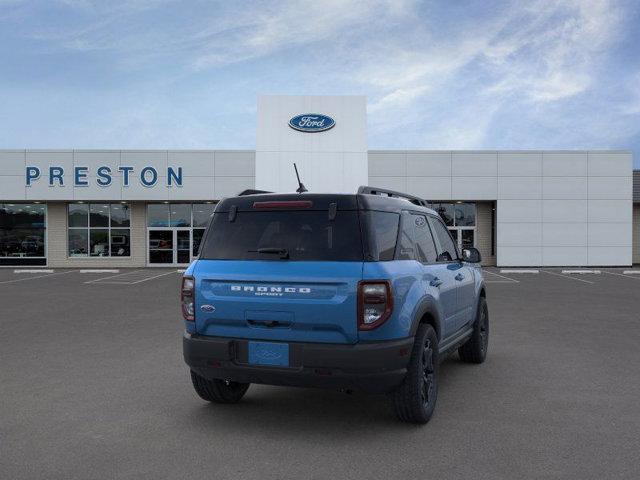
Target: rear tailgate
pixel 299 301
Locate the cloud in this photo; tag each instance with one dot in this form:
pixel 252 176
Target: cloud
pixel 534 57
pixel 437 74
pixel 219 34
pixel 543 51
pixel 286 25
pixel 553 56
pixel 398 97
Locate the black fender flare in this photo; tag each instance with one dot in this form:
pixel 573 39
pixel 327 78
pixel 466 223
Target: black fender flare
pixel 427 306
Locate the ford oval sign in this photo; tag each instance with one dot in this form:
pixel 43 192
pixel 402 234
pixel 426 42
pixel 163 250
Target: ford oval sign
pixel 311 122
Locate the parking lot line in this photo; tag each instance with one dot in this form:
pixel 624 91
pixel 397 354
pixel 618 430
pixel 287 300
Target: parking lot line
pixel 102 270
pixel 112 276
pixel 34 271
pixel 567 276
pixel 581 272
pixel 128 278
pixel 500 276
pixel 517 270
pixel 39 276
pixel 151 278
pixel 621 275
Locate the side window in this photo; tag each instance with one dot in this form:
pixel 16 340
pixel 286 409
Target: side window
pixel 406 250
pixel 425 248
pixel 446 248
pixel 382 234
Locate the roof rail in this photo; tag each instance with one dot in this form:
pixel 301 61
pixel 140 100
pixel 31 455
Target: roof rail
pixel 392 193
pixel 251 191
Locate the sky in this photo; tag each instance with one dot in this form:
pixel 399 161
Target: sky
pixel 489 74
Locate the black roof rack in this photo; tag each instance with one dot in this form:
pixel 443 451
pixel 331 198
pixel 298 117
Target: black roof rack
pixel 251 191
pixel 392 193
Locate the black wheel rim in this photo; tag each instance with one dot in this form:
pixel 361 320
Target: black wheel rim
pixel 428 373
pixel 484 329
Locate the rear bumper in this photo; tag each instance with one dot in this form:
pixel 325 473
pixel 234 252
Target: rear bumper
pixel 374 367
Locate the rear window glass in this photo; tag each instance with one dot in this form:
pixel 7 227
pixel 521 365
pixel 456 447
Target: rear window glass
pixel 305 235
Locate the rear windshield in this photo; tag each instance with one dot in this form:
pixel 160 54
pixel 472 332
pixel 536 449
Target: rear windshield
pixel 303 235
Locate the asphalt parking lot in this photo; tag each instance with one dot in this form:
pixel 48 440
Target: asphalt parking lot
pixel 92 385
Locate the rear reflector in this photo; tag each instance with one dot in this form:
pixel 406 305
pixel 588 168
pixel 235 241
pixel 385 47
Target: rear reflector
pixel 284 204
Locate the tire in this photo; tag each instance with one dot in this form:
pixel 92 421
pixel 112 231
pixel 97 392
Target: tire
pixel 415 399
pixel 475 349
pixel 218 391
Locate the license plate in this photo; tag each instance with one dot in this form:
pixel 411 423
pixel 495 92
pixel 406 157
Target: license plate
pixel 267 353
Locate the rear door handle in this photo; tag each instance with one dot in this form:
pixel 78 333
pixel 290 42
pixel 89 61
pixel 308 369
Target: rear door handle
pixel 459 277
pixel 436 282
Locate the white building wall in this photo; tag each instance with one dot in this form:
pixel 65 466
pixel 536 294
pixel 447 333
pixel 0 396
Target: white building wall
pixel 334 160
pixel 553 207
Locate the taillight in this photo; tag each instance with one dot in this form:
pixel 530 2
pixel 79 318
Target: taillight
pixel 186 298
pixel 375 303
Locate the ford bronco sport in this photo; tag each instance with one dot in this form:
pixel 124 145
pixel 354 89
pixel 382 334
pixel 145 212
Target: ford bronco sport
pixel 361 291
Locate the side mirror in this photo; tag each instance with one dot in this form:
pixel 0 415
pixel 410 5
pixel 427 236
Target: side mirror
pixel 471 255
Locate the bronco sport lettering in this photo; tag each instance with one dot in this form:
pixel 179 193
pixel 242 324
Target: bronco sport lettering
pixel 250 288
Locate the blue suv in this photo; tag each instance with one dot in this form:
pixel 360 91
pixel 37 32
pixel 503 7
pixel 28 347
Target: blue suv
pixel 361 291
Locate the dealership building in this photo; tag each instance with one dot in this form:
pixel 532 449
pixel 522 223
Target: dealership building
pixel 136 208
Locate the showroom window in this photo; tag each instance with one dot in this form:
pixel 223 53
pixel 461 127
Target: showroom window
pixel 460 219
pixel 99 230
pixel 23 233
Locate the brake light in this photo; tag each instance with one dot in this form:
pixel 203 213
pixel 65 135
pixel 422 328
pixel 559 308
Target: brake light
pixel 284 204
pixel 186 298
pixel 375 303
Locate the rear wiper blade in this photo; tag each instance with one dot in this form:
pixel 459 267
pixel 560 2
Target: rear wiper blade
pixel 283 252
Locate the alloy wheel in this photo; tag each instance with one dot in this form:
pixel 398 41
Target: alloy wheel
pixel 428 373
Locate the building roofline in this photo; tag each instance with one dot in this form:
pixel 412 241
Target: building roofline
pixel 501 151
pixel 248 150
pixel 118 150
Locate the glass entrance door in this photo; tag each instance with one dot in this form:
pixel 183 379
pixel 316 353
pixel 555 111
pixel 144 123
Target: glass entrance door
pixel 183 246
pixel 464 237
pixel 467 238
pixel 160 246
pixel 171 246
